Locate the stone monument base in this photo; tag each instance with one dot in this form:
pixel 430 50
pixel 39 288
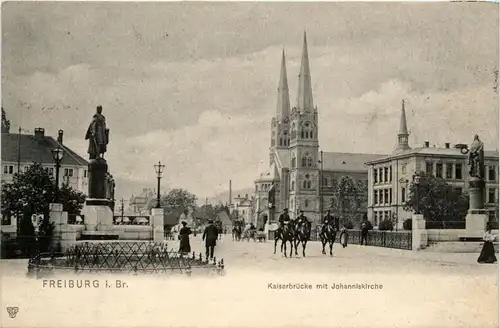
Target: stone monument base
pixel 475 223
pixel 98 215
pixel 99 235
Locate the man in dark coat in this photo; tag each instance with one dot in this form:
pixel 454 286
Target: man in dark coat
pixel 328 220
pixel 210 236
pixel 284 217
pixel 364 230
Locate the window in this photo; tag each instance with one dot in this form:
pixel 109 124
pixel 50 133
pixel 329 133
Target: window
pixel 458 171
pixel 309 162
pixel 375 176
pixel 307 131
pixel 491 196
pixel 428 168
pixel 375 197
pixel 386 174
pixel 293 185
pixel 390 173
pixel 84 173
pixel 294 162
pixel 439 170
pixel 390 196
pixel 459 190
pixel 68 172
pixel 386 196
pixel 26 168
pixel 306 203
pixel 403 195
pixel 491 173
pixel 304 161
pixel 8 169
pixel 281 141
pixel 51 171
pixel 449 171
pixel 403 168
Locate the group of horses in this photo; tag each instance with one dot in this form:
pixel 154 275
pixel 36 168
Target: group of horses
pixel 299 232
pixel 240 234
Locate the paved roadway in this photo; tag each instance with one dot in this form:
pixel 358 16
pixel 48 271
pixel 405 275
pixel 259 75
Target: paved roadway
pixel 420 289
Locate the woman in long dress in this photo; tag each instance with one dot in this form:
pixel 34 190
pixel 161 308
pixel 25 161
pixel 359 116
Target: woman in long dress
pixel 488 252
pixel 184 245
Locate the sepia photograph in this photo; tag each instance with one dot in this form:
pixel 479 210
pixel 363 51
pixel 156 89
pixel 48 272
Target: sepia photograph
pixel 249 164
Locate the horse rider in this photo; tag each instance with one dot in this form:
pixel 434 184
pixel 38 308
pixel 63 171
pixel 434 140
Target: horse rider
pixel 328 220
pixel 301 219
pixel 284 218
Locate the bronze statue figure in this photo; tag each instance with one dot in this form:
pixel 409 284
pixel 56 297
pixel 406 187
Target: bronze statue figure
pixel 97 135
pixel 476 158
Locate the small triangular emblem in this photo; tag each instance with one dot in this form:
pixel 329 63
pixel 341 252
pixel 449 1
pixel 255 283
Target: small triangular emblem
pixel 12 311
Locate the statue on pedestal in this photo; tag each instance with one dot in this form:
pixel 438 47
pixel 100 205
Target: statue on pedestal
pixel 97 135
pixel 476 159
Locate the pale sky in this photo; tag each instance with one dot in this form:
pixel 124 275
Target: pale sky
pixel 194 84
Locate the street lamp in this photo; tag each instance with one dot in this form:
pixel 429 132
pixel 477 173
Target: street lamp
pixel 57 155
pixel 320 185
pixel 159 170
pixel 416 182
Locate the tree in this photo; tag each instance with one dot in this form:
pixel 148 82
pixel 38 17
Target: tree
pixel 347 199
pixel 71 199
pixel 33 190
pixel 438 200
pixel 174 199
pixel 31 193
pixel 5 122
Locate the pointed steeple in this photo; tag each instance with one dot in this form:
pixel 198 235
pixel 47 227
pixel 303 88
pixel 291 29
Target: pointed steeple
pixel 283 104
pixel 305 98
pixel 403 130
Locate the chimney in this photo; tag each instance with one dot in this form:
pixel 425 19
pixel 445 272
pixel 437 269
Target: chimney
pixel 447 145
pixel 426 144
pixel 60 136
pixel 246 196
pixel 39 133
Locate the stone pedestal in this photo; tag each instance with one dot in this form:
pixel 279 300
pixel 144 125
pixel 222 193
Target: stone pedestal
pixel 156 221
pixel 419 234
pixel 97 178
pixel 477 217
pixel 475 224
pixel 98 216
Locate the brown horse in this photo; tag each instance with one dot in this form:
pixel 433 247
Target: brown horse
pixel 328 235
pixel 286 235
pixel 302 235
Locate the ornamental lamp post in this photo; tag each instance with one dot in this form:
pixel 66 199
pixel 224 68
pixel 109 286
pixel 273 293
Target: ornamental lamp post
pixel 57 155
pixel 320 185
pixel 36 220
pixel 159 170
pixel 416 182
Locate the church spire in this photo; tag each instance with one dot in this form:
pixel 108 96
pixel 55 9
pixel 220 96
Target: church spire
pixel 403 130
pixel 305 99
pixel 283 105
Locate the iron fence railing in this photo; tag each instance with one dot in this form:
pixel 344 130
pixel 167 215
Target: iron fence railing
pixel 389 239
pixel 122 257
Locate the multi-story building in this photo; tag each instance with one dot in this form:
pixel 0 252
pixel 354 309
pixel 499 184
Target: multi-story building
pixel 19 151
pixel 297 166
pixel 243 205
pixel 389 178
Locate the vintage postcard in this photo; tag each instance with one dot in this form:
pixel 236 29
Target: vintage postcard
pixel 249 164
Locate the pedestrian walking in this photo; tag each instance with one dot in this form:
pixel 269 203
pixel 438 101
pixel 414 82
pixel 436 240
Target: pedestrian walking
pixel 210 236
pixel 344 235
pixel 488 252
pixel 184 245
pixel 364 231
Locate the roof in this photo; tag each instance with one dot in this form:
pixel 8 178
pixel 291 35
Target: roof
pixel 433 152
pixel 36 149
pixel 348 161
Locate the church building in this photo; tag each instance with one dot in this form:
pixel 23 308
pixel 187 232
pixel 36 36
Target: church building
pixel 297 167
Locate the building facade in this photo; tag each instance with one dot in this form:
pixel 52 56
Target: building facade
pixel 20 151
pixel 389 178
pixel 304 177
pixel 243 205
